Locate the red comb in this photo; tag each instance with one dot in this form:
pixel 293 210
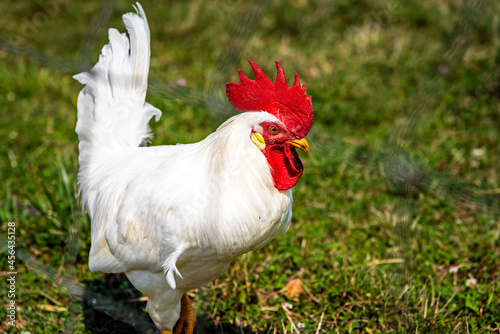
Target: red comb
pixel 291 105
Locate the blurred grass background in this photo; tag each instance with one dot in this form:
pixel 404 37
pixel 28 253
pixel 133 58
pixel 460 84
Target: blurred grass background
pixel 396 219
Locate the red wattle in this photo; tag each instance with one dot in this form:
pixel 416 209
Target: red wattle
pixel 286 167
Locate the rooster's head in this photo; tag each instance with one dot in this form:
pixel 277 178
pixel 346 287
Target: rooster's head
pixel 294 115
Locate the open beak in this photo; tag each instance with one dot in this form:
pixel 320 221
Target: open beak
pixel 301 144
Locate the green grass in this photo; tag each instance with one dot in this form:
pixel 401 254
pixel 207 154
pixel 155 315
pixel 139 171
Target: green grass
pixel 400 189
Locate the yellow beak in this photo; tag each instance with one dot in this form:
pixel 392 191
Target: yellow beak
pixel 301 144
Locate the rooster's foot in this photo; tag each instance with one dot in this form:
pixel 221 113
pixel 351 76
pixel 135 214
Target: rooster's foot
pixel 187 319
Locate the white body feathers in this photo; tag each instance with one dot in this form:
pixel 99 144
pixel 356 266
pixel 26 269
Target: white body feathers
pixel 171 217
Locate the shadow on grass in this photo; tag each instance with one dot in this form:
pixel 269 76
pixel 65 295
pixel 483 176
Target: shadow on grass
pixel 113 305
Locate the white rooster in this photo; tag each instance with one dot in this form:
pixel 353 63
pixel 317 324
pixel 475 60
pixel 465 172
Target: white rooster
pixel 172 218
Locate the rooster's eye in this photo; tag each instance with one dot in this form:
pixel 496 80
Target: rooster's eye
pixel 273 130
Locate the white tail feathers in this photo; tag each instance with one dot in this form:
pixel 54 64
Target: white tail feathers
pixel 112 113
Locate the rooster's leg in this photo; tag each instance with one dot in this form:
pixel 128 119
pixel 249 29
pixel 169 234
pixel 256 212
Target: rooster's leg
pixel 187 319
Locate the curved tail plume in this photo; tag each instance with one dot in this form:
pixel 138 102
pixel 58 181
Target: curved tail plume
pixel 112 113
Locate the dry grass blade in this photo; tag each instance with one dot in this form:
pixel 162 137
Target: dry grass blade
pixel 320 322
pixel 52 308
pixel 289 316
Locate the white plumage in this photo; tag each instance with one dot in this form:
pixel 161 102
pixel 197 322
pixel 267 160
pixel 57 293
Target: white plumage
pixel 171 218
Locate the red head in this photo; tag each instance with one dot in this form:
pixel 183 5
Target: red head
pixel 278 140
pixel 291 105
